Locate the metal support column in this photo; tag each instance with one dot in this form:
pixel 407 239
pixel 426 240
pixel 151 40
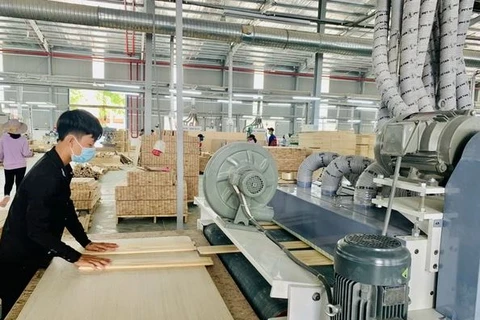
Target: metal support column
pixel 317 80
pixel 171 116
pixel 147 121
pixel 19 102
pixel 50 93
pixel 230 94
pixel 179 36
pixel 293 111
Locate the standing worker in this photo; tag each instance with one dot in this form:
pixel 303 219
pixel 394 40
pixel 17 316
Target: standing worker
pixel 272 139
pixel 42 208
pixel 251 139
pixel 14 150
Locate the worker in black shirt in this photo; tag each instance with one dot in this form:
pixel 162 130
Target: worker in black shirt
pixel 42 208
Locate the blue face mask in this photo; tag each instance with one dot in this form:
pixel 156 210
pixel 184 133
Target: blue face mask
pixel 86 155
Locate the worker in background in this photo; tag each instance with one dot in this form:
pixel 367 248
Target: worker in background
pixel 14 151
pixel 283 142
pixel 142 132
pixel 272 139
pixel 200 137
pixel 42 208
pixel 251 139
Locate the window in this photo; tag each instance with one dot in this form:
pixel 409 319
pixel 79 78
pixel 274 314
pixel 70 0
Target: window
pixel 98 69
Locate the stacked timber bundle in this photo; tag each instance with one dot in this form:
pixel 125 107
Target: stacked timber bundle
pixel 121 141
pixel 148 194
pixel 365 145
pixel 287 159
pixel 108 160
pixel 204 158
pixel 169 158
pixel 85 194
pixel 86 170
pixel 341 142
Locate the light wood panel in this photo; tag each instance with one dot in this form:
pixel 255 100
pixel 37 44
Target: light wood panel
pixel 208 250
pixel 295 245
pixel 312 258
pixel 175 293
pixel 152 261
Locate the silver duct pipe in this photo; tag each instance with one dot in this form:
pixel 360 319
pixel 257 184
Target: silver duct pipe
pixel 340 167
pixel 193 28
pixel 312 163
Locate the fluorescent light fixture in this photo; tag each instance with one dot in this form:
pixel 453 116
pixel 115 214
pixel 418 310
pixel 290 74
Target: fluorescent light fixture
pixel 233 101
pixel 366 109
pixel 248 117
pixel 128 93
pixel 192 92
pixel 329 106
pixel 354 121
pixel 248 95
pixel 35 103
pixel 47 106
pixel 129 86
pixel 18 105
pixel 360 101
pixel 300 119
pixel 4 86
pixel 274 104
pixel 7 101
pixel 277 118
pixel 306 98
pixel 184 98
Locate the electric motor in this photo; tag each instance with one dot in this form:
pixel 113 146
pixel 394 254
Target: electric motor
pixel 371 278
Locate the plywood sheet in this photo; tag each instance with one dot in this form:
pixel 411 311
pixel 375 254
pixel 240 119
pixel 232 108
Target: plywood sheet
pixel 207 250
pixel 312 258
pixel 295 245
pixel 176 293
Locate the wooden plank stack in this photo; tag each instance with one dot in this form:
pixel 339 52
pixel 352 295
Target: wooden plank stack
pixel 214 140
pixel 169 158
pixel 86 170
pixel 365 145
pixel 121 141
pixel 204 158
pixel 341 142
pixel 287 159
pixel 107 160
pixel 85 194
pixel 148 194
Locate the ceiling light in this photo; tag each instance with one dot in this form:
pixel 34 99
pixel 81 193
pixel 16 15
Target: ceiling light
pixel 184 98
pixel 248 95
pixel 128 93
pixel 36 103
pixel 329 106
pixel 192 92
pixel 233 101
pixel 360 101
pixel 354 121
pixel 306 98
pixel 277 118
pixel 7 101
pixel 48 106
pixel 273 104
pixel 4 86
pixel 366 109
pixel 122 86
pixel 18 105
pixel 248 117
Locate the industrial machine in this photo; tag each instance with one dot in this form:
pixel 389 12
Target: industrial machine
pixel 425 266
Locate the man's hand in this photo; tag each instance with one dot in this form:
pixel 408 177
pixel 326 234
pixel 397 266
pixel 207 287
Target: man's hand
pixel 101 246
pixel 92 261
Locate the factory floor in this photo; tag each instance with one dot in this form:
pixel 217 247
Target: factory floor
pixel 104 219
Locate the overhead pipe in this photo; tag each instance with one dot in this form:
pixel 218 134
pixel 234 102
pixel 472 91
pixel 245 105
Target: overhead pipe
pixel 312 163
pixel 340 167
pixel 194 28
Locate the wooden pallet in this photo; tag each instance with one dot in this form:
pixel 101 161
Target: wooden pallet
pixel 89 210
pixel 185 217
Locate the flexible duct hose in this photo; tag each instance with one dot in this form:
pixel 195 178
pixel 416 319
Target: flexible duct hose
pixel 464 100
pixel 340 167
pixel 366 189
pixel 312 163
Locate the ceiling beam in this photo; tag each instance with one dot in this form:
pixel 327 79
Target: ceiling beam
pixel 40 36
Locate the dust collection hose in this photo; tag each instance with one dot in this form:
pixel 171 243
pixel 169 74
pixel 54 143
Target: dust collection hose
pixel 312 163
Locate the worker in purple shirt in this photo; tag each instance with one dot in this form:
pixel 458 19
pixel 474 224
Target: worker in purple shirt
pixel 14 150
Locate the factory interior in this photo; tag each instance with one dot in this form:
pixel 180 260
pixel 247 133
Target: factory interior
pixel 258 160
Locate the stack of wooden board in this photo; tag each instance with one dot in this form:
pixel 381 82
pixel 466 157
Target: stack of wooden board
pixel 108 160
pixel 86 170
pixel 148 194
pixel 169 158
pixel 204 158
pixel 122 141
pixel 85 194
pixel 287 159
pixel 365 145
pixel 215 140
pixel 341 142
